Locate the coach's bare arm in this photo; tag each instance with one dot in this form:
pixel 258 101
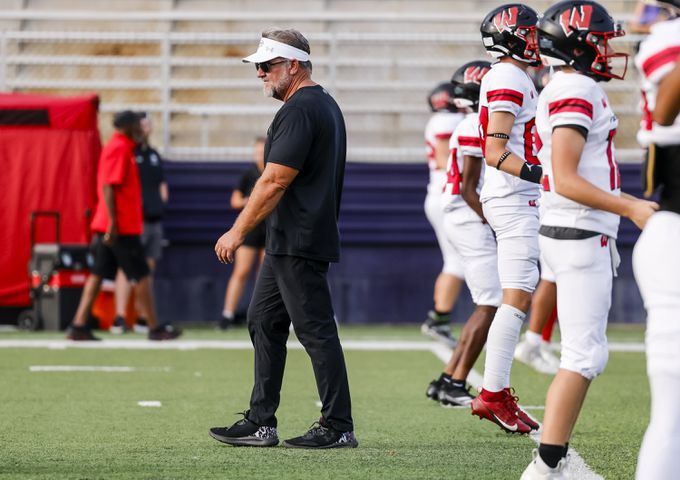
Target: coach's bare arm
pixel 265 196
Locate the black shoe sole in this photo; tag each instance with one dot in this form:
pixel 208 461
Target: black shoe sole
pixel 354 444
pixel 245 441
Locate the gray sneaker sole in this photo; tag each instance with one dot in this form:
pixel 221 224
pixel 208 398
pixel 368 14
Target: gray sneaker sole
pixel 245 441
pixel 353 444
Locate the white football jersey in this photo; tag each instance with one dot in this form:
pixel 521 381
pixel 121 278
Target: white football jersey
pixel 507 88
pixel 657 57
pixel 464 141
pixel 440 127
pixel 574 99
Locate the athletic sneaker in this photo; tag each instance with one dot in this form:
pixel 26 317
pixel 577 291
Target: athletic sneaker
pixel 533 356
pixel 538 470
pixel 438 327
pixel 164 332
pixel 503 411
pixel 453 395
pixel 323 436
pixel 141 326
pixel 433 389
pixel 246 433
pixel 81 334
pixel 118 326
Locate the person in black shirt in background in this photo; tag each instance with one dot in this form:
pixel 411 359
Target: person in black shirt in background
pixel 154 198
pixel 299 195
pixel 252 249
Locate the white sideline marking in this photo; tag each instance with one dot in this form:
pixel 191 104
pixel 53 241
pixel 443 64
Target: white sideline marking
pixel 149 403
pixel 370 345
pixel 577 467
pixel 79 368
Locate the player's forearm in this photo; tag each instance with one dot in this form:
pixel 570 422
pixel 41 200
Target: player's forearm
pixel 576 188
pixel 471 197
pixel 668 98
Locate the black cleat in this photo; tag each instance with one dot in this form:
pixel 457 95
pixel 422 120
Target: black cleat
pixel 321 436
pixel 455 396
pixel 438 327
pixel 245 433
pixel 81 334
pixel 433 389
pixel 118 326
pixel 164 332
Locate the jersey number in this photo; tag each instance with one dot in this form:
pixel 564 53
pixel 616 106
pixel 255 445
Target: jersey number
pixel 453 176
pixel 614 173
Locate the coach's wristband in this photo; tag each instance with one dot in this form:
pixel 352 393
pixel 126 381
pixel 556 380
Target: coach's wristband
pixel 531 173
pixel 502 158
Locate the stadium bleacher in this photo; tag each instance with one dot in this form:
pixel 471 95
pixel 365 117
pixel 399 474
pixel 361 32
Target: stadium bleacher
pixel 180 59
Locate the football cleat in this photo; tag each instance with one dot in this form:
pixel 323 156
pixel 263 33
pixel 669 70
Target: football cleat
pixel 455 396
pixel 534 356
pixel 502 412
pixel 433 389
pixel 438 327
pixel 538 470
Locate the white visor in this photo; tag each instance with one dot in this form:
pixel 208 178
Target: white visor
pixel 270 49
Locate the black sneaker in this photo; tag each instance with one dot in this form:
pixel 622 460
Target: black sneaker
pixel 320 436
pixel 453 395
pixel 164 332
pixel 225 323
pixel 118 326
pixel 245 433
pixel 433 389
pixel 81 334
pixel 438 327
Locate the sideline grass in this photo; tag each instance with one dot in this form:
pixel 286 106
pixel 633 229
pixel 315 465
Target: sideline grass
pixel 88 425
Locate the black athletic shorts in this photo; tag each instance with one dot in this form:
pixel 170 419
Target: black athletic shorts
pixel 127 253
pixel 256 237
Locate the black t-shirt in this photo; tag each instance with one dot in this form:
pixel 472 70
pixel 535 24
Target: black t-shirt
pixel 151 175
pixel 248 181
pixel 308 134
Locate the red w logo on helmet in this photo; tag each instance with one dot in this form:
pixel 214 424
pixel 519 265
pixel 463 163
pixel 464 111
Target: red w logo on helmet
pixel 506 19
pixel 578 18
pixel 474 74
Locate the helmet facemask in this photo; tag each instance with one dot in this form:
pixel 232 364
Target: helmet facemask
pixel 602 65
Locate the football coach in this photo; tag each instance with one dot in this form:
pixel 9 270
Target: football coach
pixel 298 196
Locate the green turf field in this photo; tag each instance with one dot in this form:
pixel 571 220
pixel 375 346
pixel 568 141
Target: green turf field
pixel 87 425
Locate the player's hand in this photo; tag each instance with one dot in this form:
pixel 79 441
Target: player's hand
pixel 226 246
pixel 111 236
pixel 640 212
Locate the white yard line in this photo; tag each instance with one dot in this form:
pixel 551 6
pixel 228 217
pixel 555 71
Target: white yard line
pixel 577 467
pixel 80 368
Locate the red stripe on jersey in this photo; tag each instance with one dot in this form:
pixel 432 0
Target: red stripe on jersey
pixel 443 135
pixel 505 95
pixel 469 142
pixel 575 105
pixel 660 59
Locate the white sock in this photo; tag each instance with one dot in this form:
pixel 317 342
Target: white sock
pixel 228 314
pixel 533 339
pixel 500 347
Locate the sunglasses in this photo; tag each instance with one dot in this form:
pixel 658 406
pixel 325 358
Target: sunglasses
pixel 266 66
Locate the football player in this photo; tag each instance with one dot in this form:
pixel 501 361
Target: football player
pixel 582 201
pixel 449 282
pixel 656 259
pixel 509 197
pixel 470 236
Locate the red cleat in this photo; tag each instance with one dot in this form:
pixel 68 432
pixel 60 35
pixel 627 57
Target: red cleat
pixel 502 410
pixel 524 416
